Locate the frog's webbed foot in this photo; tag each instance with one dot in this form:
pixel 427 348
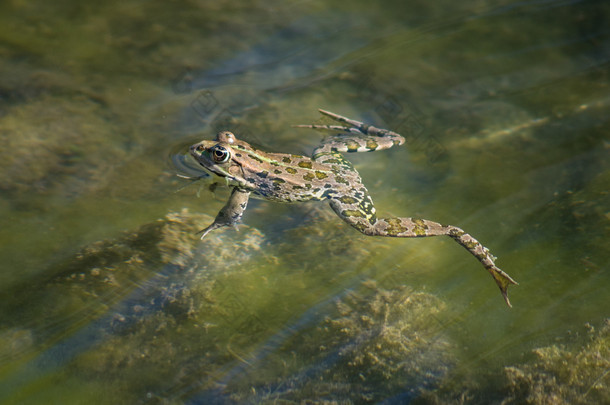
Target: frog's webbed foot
pixel 479 251
pixel 231 213
pixel 503 280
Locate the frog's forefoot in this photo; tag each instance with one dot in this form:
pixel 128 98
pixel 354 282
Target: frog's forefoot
pixel 209 229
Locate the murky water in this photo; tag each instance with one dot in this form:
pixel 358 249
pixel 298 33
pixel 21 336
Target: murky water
pixel 108 296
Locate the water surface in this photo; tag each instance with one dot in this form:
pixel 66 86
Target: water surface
pixel 108 296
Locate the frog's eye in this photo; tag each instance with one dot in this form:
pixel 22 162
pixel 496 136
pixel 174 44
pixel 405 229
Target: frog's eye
pixel 219 154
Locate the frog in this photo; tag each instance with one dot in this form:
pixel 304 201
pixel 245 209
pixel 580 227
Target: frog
pixel 326 175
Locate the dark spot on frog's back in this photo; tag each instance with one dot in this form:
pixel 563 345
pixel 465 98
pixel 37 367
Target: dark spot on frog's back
pixel 259 160
pixel 305 164
pixel 328 194
pixel 291 170
pixel 263 174
pixel 308 177
pixel 276 171
pixel 340 179
pixel 277 184
pixel 286 159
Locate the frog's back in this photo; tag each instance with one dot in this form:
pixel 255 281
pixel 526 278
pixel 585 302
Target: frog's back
pixel 294 178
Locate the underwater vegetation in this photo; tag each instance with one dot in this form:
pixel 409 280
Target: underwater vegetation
pixel 189 330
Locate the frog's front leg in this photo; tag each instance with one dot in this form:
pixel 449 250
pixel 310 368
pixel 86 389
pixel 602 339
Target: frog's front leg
pixel 231 213
pixel 360 214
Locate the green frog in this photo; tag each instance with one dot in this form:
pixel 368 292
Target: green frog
pixel 326 175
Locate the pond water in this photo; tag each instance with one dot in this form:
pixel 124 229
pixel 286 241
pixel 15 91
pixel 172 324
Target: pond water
pixel 108 295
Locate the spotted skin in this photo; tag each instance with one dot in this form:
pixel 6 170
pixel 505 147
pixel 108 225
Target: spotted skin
pixel 327 175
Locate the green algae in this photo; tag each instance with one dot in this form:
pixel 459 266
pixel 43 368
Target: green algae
pixel 188 298
pixel 373 345
pixel 88 295
pixel 56 145
pixel 205 308
pixel 576 373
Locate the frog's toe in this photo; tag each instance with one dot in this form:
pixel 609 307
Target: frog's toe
pixel 341 118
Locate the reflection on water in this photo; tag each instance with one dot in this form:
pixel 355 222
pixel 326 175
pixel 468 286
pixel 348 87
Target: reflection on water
pixel 504 108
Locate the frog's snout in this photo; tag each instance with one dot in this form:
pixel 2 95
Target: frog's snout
pixel 197 148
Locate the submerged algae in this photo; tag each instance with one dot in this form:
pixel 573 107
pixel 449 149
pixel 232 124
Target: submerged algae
pixel 575 371
pixel 177 311
pixel 185 317
pixel 56 145
pixel 375 345
pixel 565 374
pixel 110 305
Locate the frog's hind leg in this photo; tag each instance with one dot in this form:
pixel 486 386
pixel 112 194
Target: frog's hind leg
pixel 366 222
pixel 355 136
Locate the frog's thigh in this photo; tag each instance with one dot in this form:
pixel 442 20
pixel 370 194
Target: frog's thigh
pixel 356 208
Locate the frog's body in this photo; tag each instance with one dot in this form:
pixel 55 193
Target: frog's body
pixel 327 175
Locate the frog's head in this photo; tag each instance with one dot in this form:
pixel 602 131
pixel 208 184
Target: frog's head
pixel 222 157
